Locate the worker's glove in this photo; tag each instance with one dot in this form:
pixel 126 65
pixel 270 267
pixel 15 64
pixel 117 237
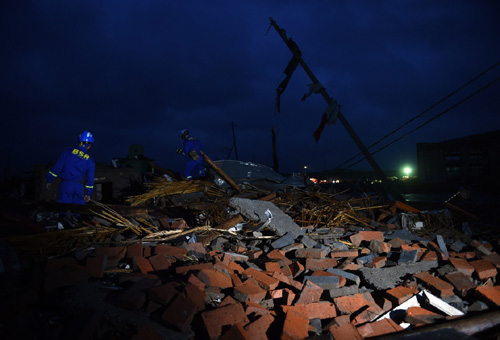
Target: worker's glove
pixel 179 151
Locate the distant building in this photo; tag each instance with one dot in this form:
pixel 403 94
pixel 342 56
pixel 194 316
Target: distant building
pixel 471 160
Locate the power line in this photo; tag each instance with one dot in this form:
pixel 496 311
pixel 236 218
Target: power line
pixel 433 118
pixel 422 113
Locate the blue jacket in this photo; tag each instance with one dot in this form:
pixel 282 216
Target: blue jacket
pixel 190 144
pixel 72 166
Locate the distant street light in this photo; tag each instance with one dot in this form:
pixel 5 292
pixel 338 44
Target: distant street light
pixel 407 170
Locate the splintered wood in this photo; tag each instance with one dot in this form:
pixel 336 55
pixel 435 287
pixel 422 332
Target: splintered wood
pixel 112 216
pixel 206 214
pixel 163 187
pixel 323 210
pixel 305 207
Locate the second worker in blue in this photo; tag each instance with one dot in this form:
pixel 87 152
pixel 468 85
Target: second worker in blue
pixel 193 148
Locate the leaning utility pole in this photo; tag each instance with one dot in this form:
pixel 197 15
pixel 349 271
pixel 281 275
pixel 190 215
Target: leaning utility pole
pixel 389 188
pixel 234 142
pixel 276 166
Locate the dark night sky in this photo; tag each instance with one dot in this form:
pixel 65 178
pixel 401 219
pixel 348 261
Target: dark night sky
pixel 140 71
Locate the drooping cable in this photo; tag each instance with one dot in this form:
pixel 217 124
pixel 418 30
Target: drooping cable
pixel 420 114
pixel 431 119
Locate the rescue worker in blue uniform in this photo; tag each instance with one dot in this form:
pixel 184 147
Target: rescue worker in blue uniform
pixel 193 149
pixel 73 167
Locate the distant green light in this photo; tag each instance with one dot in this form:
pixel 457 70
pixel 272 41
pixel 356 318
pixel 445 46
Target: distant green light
pixel 407 170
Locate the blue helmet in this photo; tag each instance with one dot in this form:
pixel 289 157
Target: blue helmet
pixel 86 136
pixel 183 132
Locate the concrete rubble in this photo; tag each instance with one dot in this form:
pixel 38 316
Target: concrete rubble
pixel 295 265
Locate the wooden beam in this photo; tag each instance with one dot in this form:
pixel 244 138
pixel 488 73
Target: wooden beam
pixel 220 172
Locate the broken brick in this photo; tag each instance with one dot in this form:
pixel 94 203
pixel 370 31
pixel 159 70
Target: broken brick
pixel 494 258
pixel 320 264
pixel 296 268
pixel 228 300
pixel 236 332
pixel 253 254
pixel 236 279
pixel 296 326
pixel 380 327
pixel 285 279
pixel 181 224
pixel 257 308
pixel 159 262
pixel 324 281
pixel 461 282
pixel 147 251
pixel 344 253
pixel 276 294
pixel 230 257
pixel 267 282
pixel 315 310
pixel 379 247
pixel 342 279
pixel 420 316
pixel 235 267
pixel 134 250
pixel 378 262
pixel 272 266
pixel 353 303
pixel 197 247
pixel 429 256
pixel 163 294
pixel 436 285
pixel 440 253
pixel 361 236
pixel 248 291
pixel 258 328
pixel 142 264
pixel 276 254
pixel 484 269
pixel 313 253
pixel 345 332
pixel 215 319
pixel 490 295
pixel 180 313
pixel 215 278
pixel 462 266
pixel 310 293
pixel 196 295
pixel 167 250
pixel 400 294
pixel 396 242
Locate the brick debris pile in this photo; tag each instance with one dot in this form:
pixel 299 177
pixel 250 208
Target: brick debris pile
pixel 292 265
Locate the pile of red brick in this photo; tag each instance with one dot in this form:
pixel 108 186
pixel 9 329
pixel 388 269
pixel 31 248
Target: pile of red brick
pixel 238 289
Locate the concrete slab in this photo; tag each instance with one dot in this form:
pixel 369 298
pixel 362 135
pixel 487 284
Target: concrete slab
pixel 390 277
pixel 263 211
